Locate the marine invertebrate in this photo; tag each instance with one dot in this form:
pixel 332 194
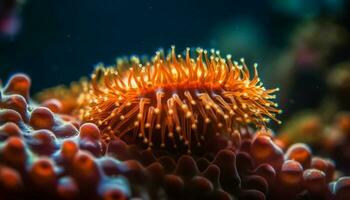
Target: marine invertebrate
pixel 172 98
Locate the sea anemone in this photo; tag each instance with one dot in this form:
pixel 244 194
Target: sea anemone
pixel 171 98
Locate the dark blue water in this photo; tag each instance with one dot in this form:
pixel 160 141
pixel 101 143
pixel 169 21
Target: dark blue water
pixel 61 41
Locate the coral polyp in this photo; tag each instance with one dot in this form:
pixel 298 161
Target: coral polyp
pixel 173 98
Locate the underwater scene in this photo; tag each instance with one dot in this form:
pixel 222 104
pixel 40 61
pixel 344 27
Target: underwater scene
pixel 175 100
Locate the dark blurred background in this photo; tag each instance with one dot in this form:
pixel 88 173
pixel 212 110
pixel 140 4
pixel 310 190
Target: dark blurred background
pixel 297 43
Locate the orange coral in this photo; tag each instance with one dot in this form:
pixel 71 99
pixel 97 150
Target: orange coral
pixel 178 95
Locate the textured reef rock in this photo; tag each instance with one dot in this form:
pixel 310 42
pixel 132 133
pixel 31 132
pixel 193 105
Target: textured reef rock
pixel 45 155
pixel 326 137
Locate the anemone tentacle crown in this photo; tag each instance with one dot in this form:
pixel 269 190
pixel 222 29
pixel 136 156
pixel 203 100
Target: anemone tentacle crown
pixel 174 98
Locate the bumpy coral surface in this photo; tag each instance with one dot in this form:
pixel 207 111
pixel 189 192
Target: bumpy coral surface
pixel 45 156
pixel 331 138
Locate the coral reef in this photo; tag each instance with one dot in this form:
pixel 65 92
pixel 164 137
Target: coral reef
pixel 43 156
pixel 47 155
pixel 323 136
